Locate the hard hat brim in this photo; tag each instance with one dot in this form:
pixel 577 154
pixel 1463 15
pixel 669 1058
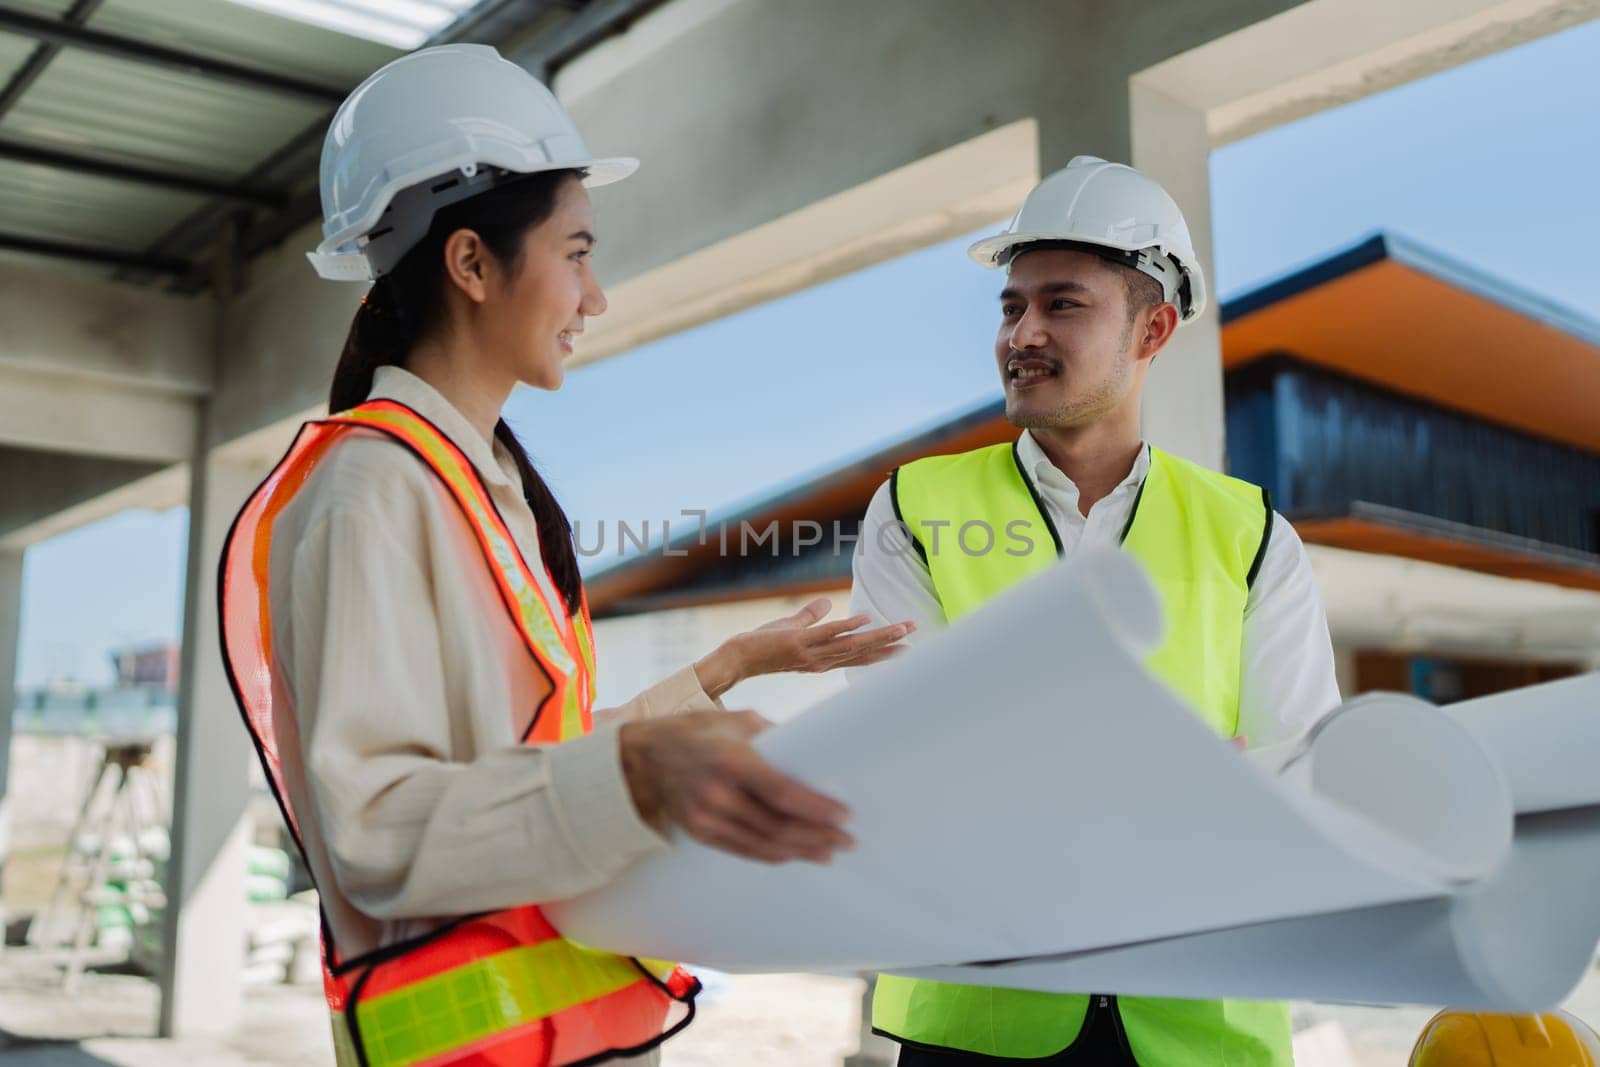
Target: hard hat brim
pixel 992 252
pixel 605 171
pixel 340 258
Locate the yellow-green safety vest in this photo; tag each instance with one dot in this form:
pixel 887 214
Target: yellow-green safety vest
pixel 1201 537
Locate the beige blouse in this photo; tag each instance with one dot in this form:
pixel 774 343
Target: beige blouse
pixel 408 690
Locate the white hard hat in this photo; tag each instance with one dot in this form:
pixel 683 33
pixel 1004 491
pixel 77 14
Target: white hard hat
pixel 1114 211
pixel 429 129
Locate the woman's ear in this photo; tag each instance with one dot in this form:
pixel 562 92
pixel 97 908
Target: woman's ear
pixel 466 264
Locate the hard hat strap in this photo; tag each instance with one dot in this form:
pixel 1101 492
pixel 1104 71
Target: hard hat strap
pixel 411 211
pixel 1147 261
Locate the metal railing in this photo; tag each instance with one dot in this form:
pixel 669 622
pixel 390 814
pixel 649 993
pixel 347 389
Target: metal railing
pixel 129 712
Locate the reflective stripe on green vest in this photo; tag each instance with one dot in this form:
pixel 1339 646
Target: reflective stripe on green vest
pixel 1200 536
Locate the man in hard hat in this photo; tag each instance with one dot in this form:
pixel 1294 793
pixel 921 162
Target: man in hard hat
pixel 1100 274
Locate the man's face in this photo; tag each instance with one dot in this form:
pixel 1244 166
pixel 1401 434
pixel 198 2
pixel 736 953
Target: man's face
pixel 1064 348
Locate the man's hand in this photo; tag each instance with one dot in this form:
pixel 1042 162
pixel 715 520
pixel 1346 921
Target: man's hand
pixel 799 642
pixel 698 771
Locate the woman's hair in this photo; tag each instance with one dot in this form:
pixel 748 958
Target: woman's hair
pixel 405 304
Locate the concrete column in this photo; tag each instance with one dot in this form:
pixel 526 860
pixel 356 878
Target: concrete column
pixel 203 934
pixel 1183 405
pixel 10 630
pixel 203 938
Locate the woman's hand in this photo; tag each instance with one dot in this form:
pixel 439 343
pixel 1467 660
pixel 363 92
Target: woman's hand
pixel 799 642
pixel 698 771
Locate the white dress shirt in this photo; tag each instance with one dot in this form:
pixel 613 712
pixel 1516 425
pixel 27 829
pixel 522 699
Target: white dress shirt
pixel 1286 670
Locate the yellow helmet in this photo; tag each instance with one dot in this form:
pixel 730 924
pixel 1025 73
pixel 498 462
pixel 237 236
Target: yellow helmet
pixel 1470 1039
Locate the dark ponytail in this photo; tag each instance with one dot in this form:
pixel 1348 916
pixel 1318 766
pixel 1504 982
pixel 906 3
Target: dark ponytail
pixel 376 339
pixel 405 304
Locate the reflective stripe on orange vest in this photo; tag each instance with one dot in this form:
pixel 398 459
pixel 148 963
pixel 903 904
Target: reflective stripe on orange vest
pixel 502 988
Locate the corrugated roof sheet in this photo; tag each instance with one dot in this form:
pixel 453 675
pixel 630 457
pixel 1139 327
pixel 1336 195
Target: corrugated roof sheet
pixel 155 116
pixel 148 111
pixel 49 8
pixel 14 51
pixel 400 23
pixel 244 35
pixel 122 111
pixel 46 203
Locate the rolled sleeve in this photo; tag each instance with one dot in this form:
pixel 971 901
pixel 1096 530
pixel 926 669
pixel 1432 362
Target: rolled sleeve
pixel 590 797
pixel 676 694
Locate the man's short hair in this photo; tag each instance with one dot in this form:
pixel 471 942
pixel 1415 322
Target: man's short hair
pixel 1142 290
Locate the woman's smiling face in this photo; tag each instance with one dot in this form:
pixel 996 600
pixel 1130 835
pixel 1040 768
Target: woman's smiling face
pixel 538 303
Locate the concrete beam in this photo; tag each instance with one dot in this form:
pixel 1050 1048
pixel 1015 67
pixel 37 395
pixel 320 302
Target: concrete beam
pixel 41 485
pixel 164 487
pixel 1320 55
pixel 746 112
pixel 757 119
pixel 942 196
pixel 67 324
pixel 784 144
pixel 93 368
pixel 88 415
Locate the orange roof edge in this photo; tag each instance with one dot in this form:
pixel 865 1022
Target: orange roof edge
pixel 1392 313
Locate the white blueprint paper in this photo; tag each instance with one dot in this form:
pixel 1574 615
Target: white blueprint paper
pixel 1516 940
pixel 1545 738
pixel 1519 942
pixel 1021 787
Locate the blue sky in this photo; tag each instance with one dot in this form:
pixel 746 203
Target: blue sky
pixel 1491 163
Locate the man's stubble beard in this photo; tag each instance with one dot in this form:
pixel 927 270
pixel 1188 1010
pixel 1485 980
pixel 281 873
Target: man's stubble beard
pixel 1076 412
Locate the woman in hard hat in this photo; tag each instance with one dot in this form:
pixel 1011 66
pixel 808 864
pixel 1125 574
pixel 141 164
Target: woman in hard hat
pixel 406 628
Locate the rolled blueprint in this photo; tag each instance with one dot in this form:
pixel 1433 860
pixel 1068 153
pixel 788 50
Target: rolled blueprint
pixel 1517 942
pixel 1023 790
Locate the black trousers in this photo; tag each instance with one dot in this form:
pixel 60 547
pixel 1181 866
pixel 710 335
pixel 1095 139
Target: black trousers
pixel 1100 1044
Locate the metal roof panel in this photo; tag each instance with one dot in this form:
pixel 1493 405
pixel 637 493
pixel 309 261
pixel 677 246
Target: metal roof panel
pixel 54 263
pixel 248 36
pixel 184 104
pixel 48 8
pixel 14 51
pixel 402 23
pixel 156 116
pixel 41 202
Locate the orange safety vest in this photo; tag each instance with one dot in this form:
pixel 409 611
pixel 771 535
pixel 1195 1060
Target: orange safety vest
pixel 489 990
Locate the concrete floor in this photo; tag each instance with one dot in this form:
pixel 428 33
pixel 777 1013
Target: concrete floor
pixel 785 1020
pixel 771 1020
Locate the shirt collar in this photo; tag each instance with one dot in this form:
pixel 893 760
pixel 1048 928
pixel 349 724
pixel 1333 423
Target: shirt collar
pixel 1043 472
pixel 492 462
